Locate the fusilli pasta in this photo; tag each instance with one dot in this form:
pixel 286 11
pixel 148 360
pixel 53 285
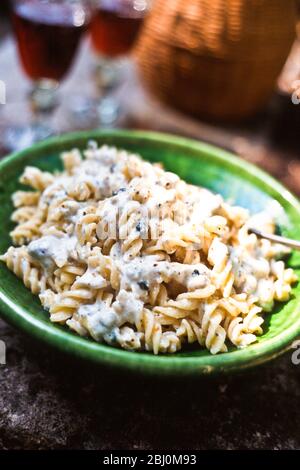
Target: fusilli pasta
pixel 120 250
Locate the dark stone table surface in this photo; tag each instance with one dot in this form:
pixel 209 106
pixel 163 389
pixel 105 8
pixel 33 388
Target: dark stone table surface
pixel 49 401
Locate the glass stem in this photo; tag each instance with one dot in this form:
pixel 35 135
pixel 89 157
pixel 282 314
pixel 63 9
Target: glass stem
pixel 108 75
pixel 43 101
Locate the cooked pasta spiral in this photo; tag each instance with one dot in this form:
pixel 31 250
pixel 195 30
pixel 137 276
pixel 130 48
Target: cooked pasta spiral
pixel 19 262
pixel 129 254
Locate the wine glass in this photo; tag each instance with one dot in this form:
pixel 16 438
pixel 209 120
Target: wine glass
pixel 48 34
pixel 114 28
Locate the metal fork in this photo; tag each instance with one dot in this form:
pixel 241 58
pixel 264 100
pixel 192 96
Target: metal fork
pixel 276 239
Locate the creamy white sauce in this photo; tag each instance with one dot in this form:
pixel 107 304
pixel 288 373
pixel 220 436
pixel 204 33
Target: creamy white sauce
pixel 51 251
pixel 92 280
pixel 151 271
pixel 110 185
pixel 128 307
pixel 100 320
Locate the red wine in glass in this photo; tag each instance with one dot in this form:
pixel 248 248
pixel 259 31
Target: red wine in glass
pixel 48 34
pixel 116 25
pixel 114 29
pixel 5 7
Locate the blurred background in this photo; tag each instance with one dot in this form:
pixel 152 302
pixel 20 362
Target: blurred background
pixel 223 71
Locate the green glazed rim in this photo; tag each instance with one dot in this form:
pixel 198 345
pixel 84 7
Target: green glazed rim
pixel 176 364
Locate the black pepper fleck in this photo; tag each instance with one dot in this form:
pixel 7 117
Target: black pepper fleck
pixel 143 285
pixel 121 190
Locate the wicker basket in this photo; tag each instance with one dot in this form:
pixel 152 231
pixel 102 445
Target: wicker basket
pixel 216 58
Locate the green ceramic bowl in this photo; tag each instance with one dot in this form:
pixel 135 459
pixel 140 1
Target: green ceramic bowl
pixel 198 163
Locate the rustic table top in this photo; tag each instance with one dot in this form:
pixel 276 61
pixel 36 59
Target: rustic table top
pixel 50 401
